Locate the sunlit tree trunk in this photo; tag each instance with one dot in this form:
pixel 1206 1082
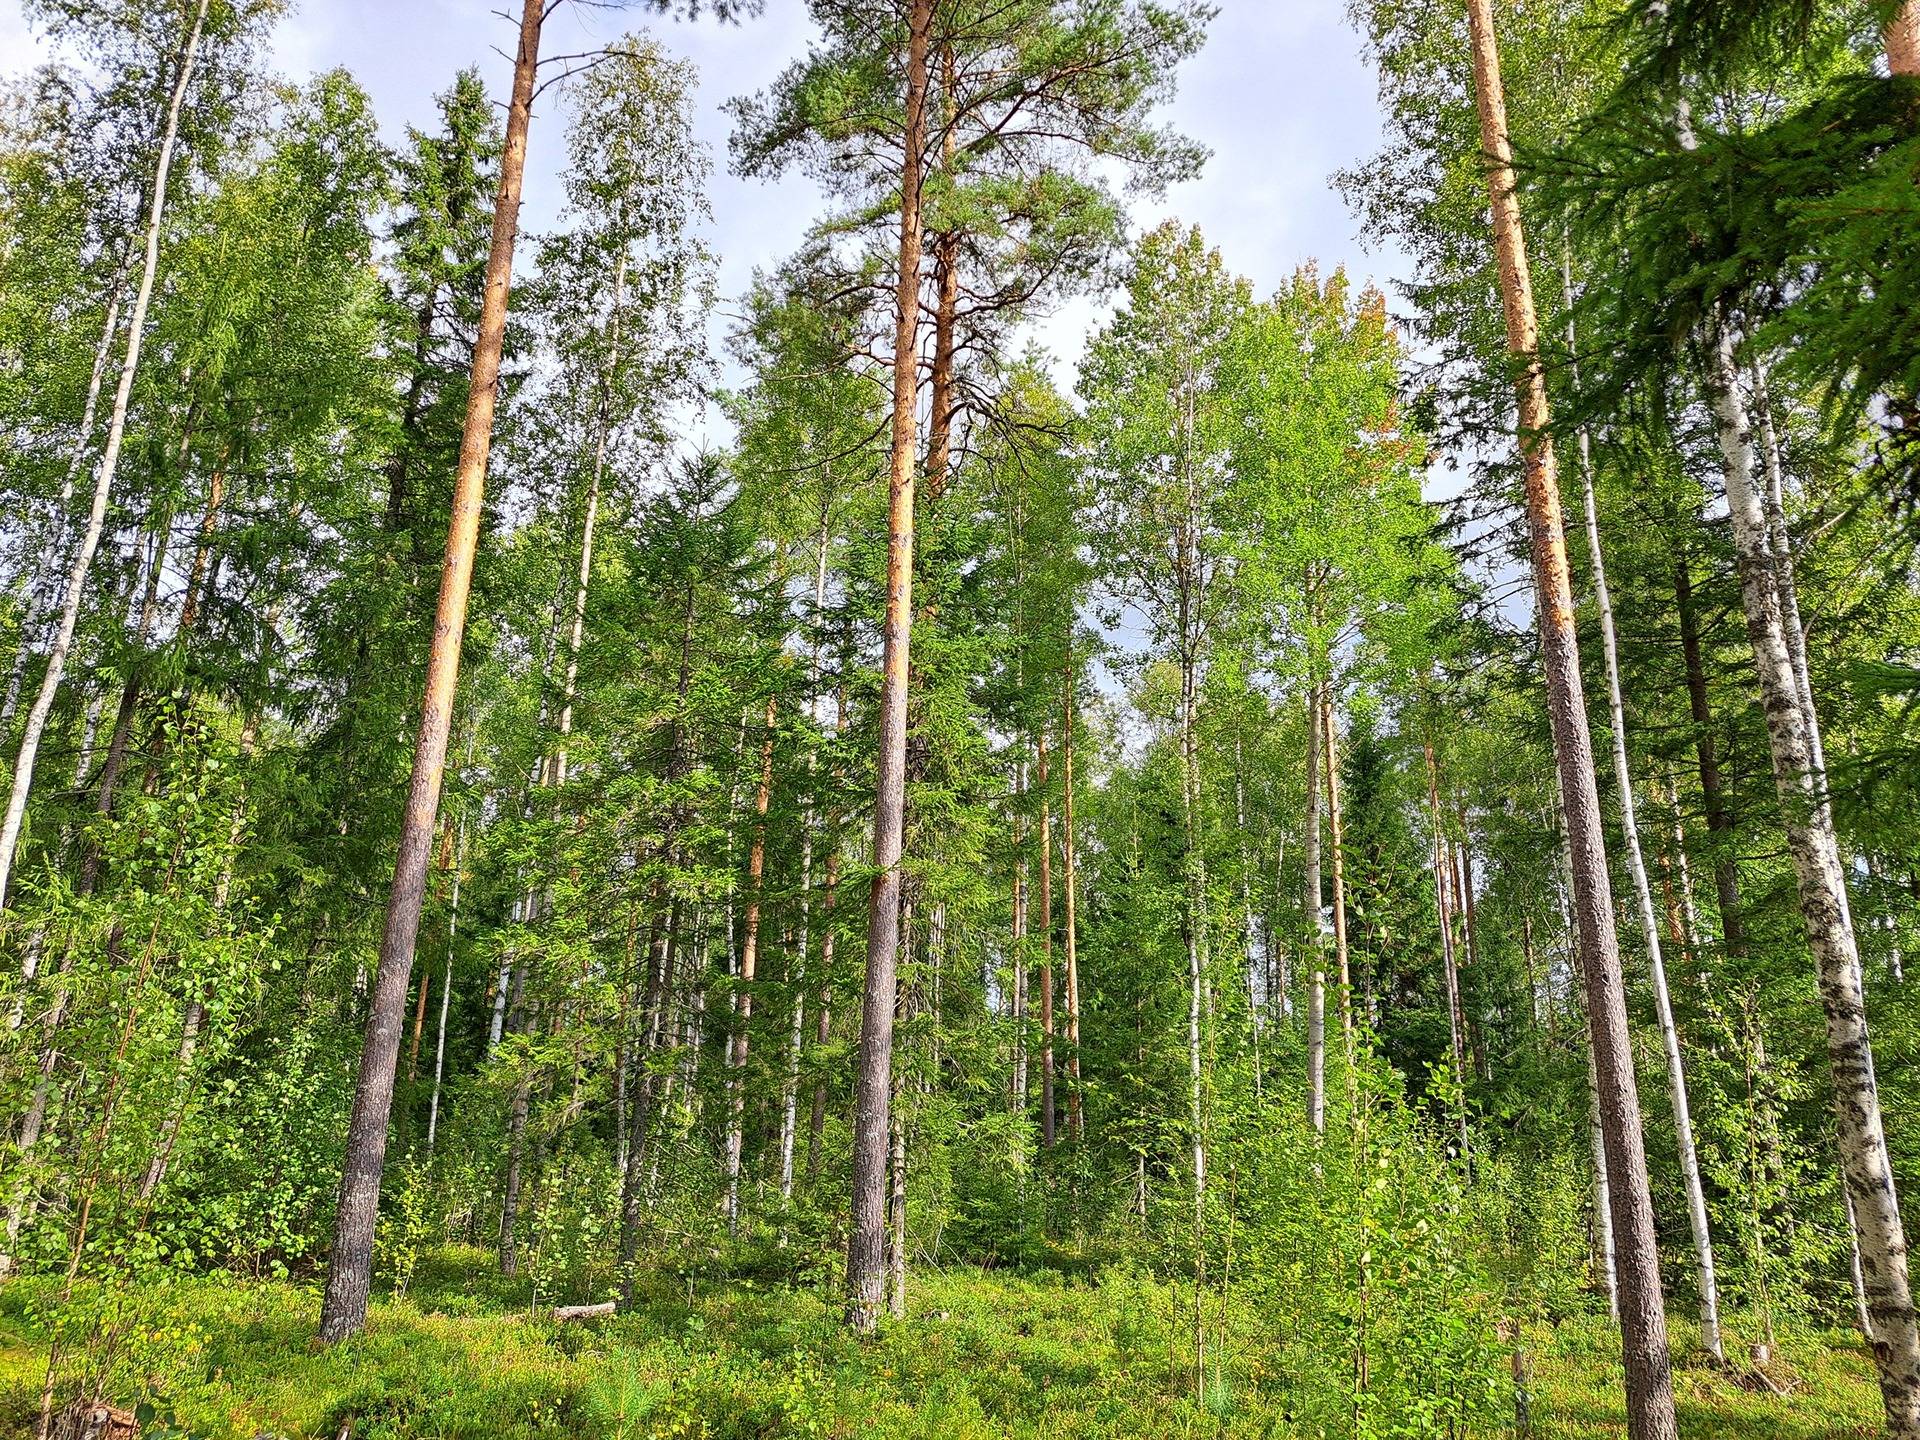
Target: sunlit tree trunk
pixel 866 1252
pixel 1643 902
pixel 1647 1366
pixel 1903 39
pixel 350 1271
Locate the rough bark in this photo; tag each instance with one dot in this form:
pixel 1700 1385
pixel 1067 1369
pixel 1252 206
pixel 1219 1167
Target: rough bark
pixel 1648 917
pixel 1647 1365
pixel 350 1272
pixel 1902 36
pixel 866 1253
pixel 1821 883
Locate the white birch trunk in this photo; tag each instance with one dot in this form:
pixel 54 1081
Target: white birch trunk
pixel 104 475
pixel 1823 906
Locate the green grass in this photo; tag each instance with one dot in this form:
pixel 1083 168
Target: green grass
pixel 984 1354
pixel 1577 1384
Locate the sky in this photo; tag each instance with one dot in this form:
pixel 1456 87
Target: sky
pixel 1281 95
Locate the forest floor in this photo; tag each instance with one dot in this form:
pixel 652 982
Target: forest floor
pixel 984 1354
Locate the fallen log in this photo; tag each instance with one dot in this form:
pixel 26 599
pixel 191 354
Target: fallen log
pixel 584 1312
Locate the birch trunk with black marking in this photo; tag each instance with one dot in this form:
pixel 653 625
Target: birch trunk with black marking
pixel 1821 883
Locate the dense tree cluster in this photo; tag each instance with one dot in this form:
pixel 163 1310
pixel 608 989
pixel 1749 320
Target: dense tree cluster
pixel 967 819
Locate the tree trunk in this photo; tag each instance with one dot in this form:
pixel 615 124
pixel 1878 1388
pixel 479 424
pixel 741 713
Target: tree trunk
pixel 103 478
pixel 1792 629
pixel 1450 965
pixel 576 634
pixel 1726 879
pixel 1076 1120
pixel 662 936
pixel 39 592
pixel 350 1273
pixel 823 1012
pixel 797 1015
pixel 897 1204
pixel 1194 863
pixel 419 1026
pixel 1018 1003
pixel 1648 1367
pixel 446 989
pixel 510 1196
pixel 1046 951
pixel 1330 759
pixel 745 974
pixel 1643 898
pixel 866 1252
pixel 1249 938
pixel 1602 1195
pixel 1823 906
pixel 1311 904
pixel 1903 39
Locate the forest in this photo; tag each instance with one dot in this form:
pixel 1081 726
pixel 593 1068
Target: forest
pixel 593 853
